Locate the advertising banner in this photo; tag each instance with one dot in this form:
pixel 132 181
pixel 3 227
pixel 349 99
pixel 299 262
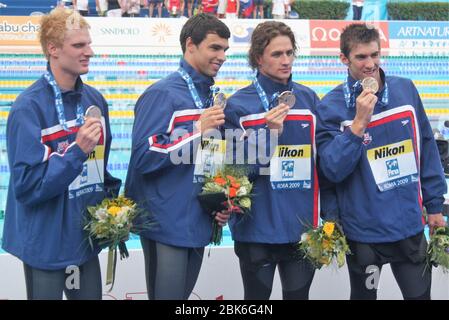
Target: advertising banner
pixel 140 33
pixel 412 35
pixel 325 34
pixel 19 31
pixel 242 29
pixel 150 35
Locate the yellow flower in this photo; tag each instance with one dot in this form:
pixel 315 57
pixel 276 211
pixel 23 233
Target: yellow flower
pixel 114 210
pixel 328 228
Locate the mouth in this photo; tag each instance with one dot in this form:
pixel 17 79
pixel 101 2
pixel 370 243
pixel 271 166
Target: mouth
pixel 216 66
pixel 370 73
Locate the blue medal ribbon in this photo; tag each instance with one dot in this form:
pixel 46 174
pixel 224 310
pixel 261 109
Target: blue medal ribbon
pixel 267 104
pixel 351 94
pixel 60 105
pixel 194 92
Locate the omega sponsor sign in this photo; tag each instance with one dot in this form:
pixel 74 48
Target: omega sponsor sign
pixel 326 33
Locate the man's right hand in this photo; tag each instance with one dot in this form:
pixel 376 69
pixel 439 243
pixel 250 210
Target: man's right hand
pixel 222 217
pixel 211 118
pixel 89 134
pixel 365 104
pixel 276 116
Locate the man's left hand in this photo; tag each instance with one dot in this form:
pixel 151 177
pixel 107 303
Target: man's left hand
pixel 434 221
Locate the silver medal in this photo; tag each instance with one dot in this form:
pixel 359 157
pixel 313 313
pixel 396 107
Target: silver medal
pixel 288 98
pixel 94 112
pixel 220 100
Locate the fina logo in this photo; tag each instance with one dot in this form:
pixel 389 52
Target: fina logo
pixel 287 169
pixel 83 179
pixel 392 168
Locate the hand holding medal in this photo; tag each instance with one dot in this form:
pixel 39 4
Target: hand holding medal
pixel 276 116
pixel 288 98
pixel 89 133
pixel 93 112
pixel 365 104
pixel 370 83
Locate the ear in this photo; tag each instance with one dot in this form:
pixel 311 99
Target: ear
pixel 344 59
pixel 190 46
pixel 259 61
pixel 52 50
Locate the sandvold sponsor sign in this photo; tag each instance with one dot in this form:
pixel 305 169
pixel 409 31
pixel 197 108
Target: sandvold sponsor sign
pixel 19 31
pixel 116 32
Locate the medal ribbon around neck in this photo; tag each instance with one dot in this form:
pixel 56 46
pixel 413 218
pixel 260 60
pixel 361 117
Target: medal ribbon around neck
pixel 194 92
pixel 267 104
pixel 350 95
pixel 60 105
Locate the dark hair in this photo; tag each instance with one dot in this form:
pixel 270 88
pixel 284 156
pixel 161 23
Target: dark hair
pixel 262 36
pixel 199 26
pixel 357 33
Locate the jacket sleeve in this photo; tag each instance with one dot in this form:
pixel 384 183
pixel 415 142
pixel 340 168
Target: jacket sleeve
pixel 37 174
pixel 339 152
pixel 155 144
pixel 328 198
pixel 433 183
pixel 111 184
pixel 328 194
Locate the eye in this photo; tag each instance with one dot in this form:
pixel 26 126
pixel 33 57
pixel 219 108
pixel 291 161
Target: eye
pixel 216 48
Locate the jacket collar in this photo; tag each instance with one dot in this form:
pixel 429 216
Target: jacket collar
pixel 270 86
pixel 202 82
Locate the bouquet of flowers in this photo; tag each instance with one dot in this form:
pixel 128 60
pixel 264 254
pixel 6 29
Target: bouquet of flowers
pixel 109 224
pixel 228 190
pixel 438 248
pixel 323 244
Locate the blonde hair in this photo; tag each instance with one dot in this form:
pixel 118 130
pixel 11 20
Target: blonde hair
pixel 54 25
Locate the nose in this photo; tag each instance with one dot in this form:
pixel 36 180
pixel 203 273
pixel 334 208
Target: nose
pixel 89 52
pixel 369 63
pixel 222 56
pixel 285 59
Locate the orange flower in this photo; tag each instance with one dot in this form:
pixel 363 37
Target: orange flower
pixel 231 179
pixel 232 192
pixel 235 185
pixel 220 181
